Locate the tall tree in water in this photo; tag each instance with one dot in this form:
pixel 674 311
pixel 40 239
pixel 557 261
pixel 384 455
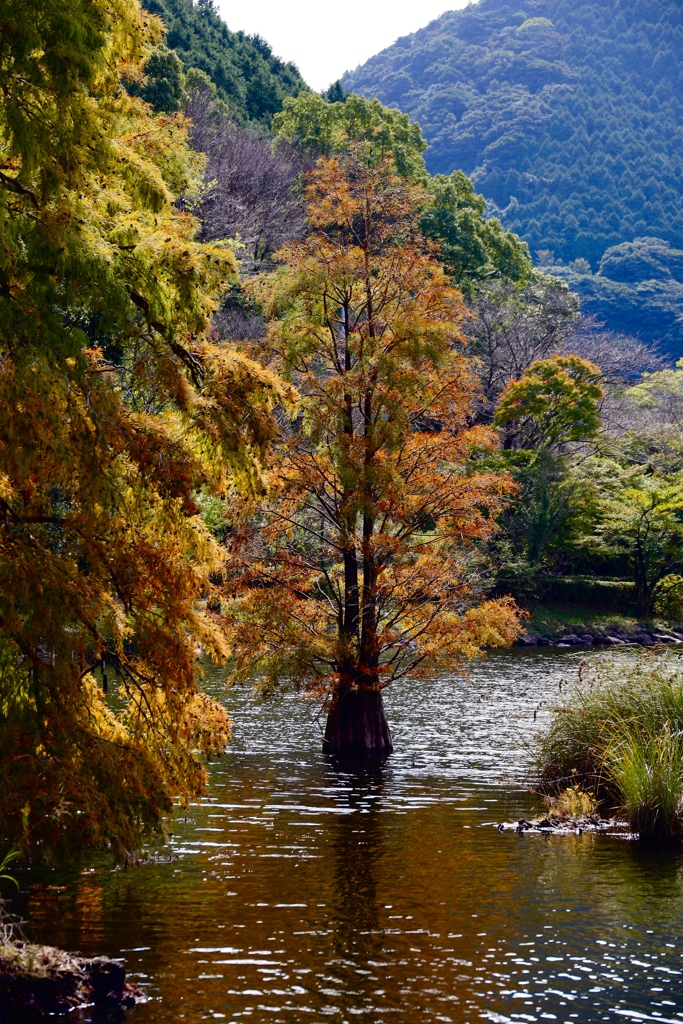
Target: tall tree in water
pixel 360 570
pixel 115 410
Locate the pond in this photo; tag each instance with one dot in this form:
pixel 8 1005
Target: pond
pixel 298 893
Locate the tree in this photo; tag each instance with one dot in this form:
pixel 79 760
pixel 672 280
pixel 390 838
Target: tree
pixel 557 401
pixel 115 412
pixel 552 410
pixel 473 248
pixel 251 192
pixel 164 86
pixel 512 327
pixel 248 78
pixel 321 128
pixel 651 419
pixel 641 525
pixel 360 567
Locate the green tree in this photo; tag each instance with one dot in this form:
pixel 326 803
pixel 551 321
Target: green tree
pixel 164 84
pixel 246 74
pixel 473 248
pixel 557 401
pixel 322 128
pixel 555 404
pixel 641 526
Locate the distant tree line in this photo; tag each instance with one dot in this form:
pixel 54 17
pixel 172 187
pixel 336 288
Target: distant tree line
pixel 248 77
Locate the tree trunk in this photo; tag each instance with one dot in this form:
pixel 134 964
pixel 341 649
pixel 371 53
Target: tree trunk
pixel 357 726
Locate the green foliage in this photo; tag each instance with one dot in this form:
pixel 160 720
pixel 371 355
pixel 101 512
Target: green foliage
pixel 640 524
pixel 322 128
pixel 556 401
pixel 669 598
pixel 620 737
pixel 246 74
pixel 164 85
pixel 472 247
pixel 543 525
pixel 569 123
pixel 554 404
pixel 336 93
pixel 637 289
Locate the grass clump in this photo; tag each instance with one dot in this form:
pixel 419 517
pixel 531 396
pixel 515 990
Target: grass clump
pixel 620 740
pixel 572 802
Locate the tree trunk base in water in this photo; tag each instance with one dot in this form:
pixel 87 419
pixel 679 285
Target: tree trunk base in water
pixel 357 726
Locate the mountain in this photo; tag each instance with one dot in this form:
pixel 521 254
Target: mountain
pixel 248 77
pixel 566 113
pixel 638 289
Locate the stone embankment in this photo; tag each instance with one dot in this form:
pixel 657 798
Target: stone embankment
pixel 611 637
pixel 40 982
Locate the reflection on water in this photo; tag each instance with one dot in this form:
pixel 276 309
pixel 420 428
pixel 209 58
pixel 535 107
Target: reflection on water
pixel 300 893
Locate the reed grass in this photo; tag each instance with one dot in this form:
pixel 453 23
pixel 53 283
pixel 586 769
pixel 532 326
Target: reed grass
pixel 619 738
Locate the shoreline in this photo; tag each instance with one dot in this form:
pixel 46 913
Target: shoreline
pixel 40 981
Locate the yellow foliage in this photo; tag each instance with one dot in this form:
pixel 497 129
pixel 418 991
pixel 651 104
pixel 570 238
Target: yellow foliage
pixel 116 409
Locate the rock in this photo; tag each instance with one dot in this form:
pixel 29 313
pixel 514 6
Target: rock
pixel 586 639
pixel 527 640
pixel 567 826
pixel 543 641
pixel 571 639
pixel 108 981
pixel 644 639
pixel 614 641
pixel 664 638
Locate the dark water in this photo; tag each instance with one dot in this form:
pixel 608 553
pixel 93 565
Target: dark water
pixel 298 893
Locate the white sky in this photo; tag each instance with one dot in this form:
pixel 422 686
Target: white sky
pixel 325 39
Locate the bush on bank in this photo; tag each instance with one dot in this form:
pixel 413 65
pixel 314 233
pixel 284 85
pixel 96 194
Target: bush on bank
pixel 619 738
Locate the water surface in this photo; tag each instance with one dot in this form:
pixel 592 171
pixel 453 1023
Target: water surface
pixel 297 893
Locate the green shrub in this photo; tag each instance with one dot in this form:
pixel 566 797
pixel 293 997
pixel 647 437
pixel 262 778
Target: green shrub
pixel 620 738
pixel 669 599
pixel 613 595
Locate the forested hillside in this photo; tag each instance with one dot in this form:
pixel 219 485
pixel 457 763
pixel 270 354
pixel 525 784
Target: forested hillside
pixel 247 75
pixel 637 284
pixel 566 113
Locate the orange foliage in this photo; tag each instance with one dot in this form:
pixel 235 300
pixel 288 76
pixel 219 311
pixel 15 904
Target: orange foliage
pixel 362 566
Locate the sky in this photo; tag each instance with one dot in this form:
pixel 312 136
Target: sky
pixel 326 39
